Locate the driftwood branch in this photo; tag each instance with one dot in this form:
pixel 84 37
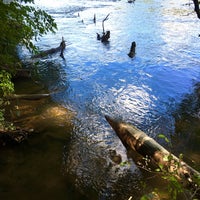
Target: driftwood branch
pixel 138 141
pixel 106 18
pixel 106 35
pixel 104 38
pixel 60 49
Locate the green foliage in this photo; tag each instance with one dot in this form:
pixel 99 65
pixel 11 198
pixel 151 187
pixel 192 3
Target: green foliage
pixel 174 184
pixel 150 196
pixel 2 120
pixel 162 136
pixel 6 86
pixel 125 163
pixel 20 23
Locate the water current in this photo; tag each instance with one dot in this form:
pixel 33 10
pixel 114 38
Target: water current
pixel 97 79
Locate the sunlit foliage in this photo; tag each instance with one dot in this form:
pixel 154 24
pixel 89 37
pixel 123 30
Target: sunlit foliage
pixel 20 23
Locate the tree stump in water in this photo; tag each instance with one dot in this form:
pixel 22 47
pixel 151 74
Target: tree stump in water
pixel 106 35
pixel 131 1
pixel 94 19
pixel 131 54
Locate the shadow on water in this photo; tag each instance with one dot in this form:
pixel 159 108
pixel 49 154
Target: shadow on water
pixel 33 169
pixel 187 126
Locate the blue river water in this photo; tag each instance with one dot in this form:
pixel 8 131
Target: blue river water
pixel 97 79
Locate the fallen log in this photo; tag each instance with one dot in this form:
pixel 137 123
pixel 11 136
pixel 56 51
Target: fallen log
pixel 60 48
pixel 136 140
pixel 27 96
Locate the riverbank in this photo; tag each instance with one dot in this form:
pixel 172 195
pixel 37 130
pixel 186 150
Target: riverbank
pixel 32 116
pixel 31 166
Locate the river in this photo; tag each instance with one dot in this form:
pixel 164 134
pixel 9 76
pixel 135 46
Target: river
pixel 97 79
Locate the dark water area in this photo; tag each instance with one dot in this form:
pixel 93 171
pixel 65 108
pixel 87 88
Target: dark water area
pixel 98 79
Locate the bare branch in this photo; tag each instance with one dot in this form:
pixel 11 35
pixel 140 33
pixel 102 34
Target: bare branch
pixel 106 18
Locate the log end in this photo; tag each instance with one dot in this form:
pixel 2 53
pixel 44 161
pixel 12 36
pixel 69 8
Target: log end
pixel 113 123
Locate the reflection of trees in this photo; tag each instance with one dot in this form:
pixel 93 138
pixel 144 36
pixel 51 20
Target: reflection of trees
pixel 190 106
pixel 187 125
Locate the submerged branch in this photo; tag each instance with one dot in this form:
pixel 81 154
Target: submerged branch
pixel 27 96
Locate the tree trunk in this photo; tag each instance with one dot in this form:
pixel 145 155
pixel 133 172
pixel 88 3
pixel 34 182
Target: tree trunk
pixel 196 8
pixel 131 54
pixel 138 141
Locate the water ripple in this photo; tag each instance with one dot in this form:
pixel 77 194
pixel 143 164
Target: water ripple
pixel 99 79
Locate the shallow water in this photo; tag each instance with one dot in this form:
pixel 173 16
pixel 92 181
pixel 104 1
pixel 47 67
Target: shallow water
pixel 98 79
